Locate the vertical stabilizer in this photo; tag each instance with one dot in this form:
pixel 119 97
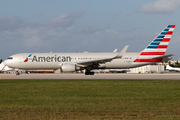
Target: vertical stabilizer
pixel 4 67
pixel 168 67
pixel 159 45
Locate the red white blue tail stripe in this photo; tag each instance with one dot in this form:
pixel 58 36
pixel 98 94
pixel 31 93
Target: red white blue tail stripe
pixel 157 47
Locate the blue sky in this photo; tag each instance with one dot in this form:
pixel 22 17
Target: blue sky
pixel 85 25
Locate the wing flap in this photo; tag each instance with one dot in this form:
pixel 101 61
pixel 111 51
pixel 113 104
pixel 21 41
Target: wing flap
pixel 94 62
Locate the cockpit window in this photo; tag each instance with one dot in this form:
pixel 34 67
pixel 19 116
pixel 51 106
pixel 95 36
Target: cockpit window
pixel 10 58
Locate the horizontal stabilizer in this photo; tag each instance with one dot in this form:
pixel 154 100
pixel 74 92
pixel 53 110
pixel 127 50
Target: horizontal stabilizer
pixel 164 56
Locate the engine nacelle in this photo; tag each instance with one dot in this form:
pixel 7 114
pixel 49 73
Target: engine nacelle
pixel 66 67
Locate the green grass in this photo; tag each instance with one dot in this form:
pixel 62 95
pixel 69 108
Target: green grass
pixel 101 99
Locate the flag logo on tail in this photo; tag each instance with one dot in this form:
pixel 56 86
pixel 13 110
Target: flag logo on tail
pixel 157 47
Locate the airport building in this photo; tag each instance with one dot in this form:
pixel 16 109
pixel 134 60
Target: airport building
pixel 171 62
pixel 148 69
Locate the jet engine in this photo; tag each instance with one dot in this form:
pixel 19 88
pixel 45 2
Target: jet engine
pixel 66 67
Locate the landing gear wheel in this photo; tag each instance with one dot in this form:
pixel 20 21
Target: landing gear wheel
pixel 89 73
pixel 17 73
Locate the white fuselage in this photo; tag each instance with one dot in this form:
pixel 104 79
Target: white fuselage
pixel 56 60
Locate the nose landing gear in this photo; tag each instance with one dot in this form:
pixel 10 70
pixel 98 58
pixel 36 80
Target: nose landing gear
pixel 17 73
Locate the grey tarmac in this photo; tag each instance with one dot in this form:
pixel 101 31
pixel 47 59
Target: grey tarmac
pixel 107 76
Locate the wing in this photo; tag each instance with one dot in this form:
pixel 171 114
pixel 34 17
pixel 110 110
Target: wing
pixel 115 50
pixel 100 61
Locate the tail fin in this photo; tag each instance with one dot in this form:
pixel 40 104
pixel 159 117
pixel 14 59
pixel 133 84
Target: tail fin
pixel 168 67
pixel 4 67
pixel 155 51
pixel 159 45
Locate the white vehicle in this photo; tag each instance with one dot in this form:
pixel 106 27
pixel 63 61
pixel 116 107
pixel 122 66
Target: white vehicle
pixel 111 70
pixel 119 70
pixel 172 68
pixel 4 68
pixel 71 62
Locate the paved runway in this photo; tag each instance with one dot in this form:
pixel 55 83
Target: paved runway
pixel 108 76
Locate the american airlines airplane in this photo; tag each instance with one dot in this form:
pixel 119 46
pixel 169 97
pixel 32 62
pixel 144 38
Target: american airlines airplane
pixel 4 68
pixel 71 62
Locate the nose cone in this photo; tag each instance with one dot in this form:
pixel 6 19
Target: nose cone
pixel 7 62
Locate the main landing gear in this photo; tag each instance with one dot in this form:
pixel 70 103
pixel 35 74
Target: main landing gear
pixel 89 73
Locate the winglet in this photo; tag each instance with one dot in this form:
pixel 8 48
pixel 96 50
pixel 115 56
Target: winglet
pixel 115 50
pixel 122 52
